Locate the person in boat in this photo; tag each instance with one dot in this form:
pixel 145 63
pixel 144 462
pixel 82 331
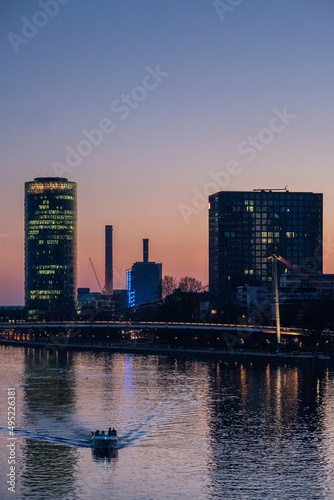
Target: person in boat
pixel 102 433
pixel 97 433
pixel 109 431
pixel 113 432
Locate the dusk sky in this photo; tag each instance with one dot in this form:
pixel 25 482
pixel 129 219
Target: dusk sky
pixel 192 97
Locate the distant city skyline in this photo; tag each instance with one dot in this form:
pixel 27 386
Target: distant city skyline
pixel 150 107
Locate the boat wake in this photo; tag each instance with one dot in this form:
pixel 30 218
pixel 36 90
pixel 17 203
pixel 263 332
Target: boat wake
pixel 37 436
pixel 136 434
pixel 81 437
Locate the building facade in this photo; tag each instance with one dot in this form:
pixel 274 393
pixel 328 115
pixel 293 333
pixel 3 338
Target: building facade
pixel 247 227
pixel 143 281
pixel 50 248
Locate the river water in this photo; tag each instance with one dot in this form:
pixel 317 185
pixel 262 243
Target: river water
pixel 188 429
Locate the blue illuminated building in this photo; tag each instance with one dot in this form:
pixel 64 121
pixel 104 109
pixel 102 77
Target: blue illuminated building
pixel 131 294
pixel 143 281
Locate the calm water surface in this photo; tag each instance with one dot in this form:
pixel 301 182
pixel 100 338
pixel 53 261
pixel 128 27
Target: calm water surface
pixel 188 429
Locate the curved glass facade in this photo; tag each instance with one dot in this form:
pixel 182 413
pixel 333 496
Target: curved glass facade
pixel 50 248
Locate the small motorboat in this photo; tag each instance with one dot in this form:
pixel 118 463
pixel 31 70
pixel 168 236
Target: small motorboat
pixel 104 440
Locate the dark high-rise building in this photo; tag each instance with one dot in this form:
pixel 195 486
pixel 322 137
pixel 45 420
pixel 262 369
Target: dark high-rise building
pixel 108 282
pixel 247 227
pixel 143 281
pixel 50 247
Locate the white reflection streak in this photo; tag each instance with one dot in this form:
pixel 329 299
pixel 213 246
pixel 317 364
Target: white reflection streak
pixel 279 397
pixel 328 434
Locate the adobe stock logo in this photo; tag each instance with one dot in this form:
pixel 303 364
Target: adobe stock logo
pixel 250 148
pixel 122 109
pixel 3 236
pixel 29 29
pixel 220 180
pixel 223 7
pixel 256 143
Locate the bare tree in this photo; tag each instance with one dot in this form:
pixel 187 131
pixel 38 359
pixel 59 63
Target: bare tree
pixel 168 285
pixel 188 284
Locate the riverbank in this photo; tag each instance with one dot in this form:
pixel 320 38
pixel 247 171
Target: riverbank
pixel 150 349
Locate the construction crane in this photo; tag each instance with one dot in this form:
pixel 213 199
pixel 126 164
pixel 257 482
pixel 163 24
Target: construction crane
pixel 96 276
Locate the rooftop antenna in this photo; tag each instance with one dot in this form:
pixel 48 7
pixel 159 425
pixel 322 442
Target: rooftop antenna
pixel 285 189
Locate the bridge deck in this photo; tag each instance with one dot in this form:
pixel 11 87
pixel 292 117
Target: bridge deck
pixel 151 325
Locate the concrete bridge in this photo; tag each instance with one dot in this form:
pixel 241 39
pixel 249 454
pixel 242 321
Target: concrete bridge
pixel 150 325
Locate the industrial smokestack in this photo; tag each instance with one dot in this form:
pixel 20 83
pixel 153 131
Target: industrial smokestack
pixel 108 284
pixel 145 250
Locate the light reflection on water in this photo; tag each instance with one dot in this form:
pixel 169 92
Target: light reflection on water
pixel 188 429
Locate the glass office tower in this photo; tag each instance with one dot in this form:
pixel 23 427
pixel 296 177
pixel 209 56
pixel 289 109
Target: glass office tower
pixel 247 227
pixel 50 248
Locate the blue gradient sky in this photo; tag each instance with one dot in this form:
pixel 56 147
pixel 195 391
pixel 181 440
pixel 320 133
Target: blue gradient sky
pixel 225 78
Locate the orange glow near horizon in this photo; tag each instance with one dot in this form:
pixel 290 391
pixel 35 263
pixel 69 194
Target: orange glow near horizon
pixel 183 253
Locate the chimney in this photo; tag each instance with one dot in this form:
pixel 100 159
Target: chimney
pixel 108 284
pixel 145 250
